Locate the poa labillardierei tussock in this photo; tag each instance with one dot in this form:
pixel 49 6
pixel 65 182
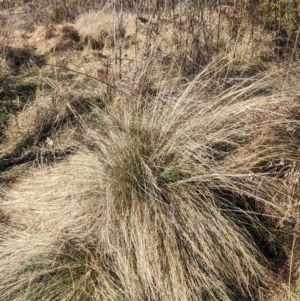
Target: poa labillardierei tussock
pixel 176 199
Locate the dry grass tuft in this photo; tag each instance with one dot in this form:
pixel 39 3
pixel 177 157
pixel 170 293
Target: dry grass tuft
pixel 17 57
pixel 180 199
pixel 52 38
pixel 102 30
pixel 160 162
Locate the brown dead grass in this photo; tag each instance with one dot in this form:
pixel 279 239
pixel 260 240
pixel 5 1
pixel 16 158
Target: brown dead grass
pixel 17 57
pixel 53 38
pixel 183 186
pixel 166 203
pixel 102 30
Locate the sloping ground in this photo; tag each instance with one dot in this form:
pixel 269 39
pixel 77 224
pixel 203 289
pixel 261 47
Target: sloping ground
pixel 133 169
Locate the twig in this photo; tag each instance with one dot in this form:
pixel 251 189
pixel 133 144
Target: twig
pixel 78 72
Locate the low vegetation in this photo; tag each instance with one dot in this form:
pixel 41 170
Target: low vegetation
pixel 149 150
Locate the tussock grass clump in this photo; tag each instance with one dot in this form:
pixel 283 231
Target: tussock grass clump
pixel 127 175
pixel 18 58
pixel 106 29
pixel 52 38
pixel 178 199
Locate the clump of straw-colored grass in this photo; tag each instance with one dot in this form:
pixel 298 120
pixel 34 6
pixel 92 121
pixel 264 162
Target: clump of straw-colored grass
pixel 173 200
